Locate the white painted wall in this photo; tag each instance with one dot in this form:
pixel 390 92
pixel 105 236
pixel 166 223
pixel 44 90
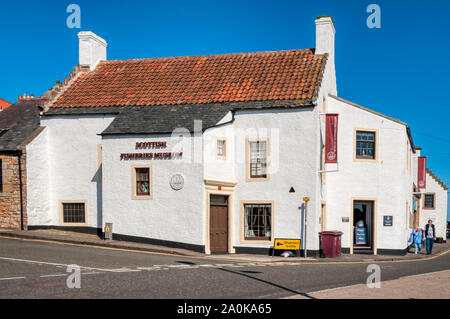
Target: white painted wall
pixel 171 215
pixel 439 214
pixel 218 168
pixel 293 157
pixel 388 180
pixel 73 161
pixel 39 196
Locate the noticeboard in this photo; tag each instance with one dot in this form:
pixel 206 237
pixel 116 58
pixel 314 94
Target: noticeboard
pixel 388 220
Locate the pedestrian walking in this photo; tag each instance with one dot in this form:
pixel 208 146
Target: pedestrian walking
pixel 429 236
pixel 417 240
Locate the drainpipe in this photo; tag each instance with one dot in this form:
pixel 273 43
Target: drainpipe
pixel 19 156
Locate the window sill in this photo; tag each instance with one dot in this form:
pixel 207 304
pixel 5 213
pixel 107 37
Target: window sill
pixel 142 197
pixel 257 179
pixel 74 224
pixel 361 159
pixel 257 241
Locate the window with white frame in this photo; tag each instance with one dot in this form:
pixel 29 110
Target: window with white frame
pixel 221 149
pixel 258 159
pixel 365 145
pixel 257 221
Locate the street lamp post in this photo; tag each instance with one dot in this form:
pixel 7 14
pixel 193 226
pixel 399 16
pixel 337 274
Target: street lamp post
pixel 305 212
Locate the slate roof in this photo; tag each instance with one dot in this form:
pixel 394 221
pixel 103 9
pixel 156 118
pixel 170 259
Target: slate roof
pixel 162 119
pixel 19 120
pixel 242 77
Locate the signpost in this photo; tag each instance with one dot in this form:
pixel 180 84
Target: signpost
pixel 305 200
pixel 286 244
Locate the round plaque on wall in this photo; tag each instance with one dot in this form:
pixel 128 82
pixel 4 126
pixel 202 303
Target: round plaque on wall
pixel 177 182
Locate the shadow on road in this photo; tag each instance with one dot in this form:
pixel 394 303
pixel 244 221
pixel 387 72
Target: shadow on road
pixel 245 273
pixel 269 283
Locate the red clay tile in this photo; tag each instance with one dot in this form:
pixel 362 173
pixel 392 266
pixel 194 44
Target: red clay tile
pixel 280 75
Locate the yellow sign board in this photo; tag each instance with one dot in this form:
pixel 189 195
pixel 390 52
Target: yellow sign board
pixel 286 244
pixel 306 199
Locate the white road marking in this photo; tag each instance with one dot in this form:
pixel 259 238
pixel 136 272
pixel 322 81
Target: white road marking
pixel 12 278
pixel 65 265
pixel 94 270
pixel 65 275
pixel 56 275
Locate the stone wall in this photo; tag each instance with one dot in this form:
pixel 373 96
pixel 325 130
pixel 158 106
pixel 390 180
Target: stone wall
pixel 10 195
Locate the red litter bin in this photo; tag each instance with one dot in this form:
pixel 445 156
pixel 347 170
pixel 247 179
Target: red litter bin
pixel 331 243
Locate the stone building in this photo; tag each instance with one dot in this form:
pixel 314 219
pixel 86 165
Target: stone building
pixel 19 123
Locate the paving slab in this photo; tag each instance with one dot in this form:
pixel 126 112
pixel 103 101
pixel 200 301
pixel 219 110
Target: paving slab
pixel 434 285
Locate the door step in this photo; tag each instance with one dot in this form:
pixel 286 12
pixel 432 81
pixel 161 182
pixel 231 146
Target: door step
pixel 367 251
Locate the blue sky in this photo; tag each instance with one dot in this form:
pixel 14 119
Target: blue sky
pixel 401 69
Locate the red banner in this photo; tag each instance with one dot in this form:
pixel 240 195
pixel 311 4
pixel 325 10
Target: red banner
pixel 331 131
pixel 421 173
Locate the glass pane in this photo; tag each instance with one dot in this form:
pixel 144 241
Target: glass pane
pixel 143 188
pixel 142 174
pixel 218 199
pixel 74 212
pixel 143 181
pixel 365 144
pixel 258 159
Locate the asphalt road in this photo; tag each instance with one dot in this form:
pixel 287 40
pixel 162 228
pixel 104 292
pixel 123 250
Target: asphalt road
pixel 30 269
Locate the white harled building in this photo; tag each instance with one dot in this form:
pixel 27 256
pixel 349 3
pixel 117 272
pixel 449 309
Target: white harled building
pixel 216 153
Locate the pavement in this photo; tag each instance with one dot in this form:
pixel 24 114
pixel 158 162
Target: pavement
pixel 94 240
pixel 435 285
pixel 91 240
pixel 31 268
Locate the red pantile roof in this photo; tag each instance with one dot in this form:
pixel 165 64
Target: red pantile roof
pixel 4 104
pixel 260 76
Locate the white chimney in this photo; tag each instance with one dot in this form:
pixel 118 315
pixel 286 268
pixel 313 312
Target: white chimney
pixel 325 36
pixel 325 33
pixel 92 49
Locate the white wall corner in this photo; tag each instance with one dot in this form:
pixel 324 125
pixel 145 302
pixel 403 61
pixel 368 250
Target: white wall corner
pixel 92 49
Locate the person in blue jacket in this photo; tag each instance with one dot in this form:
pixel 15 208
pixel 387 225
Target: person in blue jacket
pixel 429 236
pixel 417 240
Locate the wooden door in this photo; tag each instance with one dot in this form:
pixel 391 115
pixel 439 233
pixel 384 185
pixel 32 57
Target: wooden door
pixel 218 227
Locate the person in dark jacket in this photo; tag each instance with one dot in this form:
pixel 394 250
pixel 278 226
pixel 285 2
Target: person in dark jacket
pixel 429 235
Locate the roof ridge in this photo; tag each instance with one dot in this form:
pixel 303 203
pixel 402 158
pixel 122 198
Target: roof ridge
pixel 368 109
pixel 183 57
pixel 437 179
